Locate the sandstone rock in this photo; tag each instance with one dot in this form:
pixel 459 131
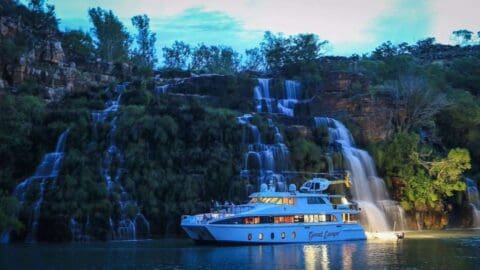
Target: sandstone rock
pixel 52 52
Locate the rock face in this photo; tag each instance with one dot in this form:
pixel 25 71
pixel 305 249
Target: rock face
pixel 9 27
pixel 45 64
pixel 344 95
pixel 52 52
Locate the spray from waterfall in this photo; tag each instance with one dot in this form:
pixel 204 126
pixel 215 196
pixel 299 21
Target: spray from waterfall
pixel 380 213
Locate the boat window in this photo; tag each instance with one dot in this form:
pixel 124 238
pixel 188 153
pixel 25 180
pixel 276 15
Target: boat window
pixel 350 217
pixel 308 184
pixel 298 219
pixel 315 200
pixel 317 186
pixel 272 235
pixel 251 220
pixel 249 236
pixel 282 235
pixel 260 236
pixel 319 218
pixel 294 235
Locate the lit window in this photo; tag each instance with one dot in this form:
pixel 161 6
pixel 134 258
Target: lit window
pixel 322 218
pixel 249 236
pixel 260 236
pixel 294 235
pixel 282 235
pixel 272 235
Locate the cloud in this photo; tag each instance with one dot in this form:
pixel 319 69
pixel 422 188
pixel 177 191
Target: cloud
pixel 350 25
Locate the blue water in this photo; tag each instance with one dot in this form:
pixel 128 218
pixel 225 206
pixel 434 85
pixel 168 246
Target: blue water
pixel 446 250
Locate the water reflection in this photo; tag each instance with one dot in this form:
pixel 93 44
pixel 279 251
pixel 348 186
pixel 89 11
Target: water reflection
pixel 446 253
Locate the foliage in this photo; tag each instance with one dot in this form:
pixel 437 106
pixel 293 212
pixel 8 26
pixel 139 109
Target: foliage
pixel 426 178
pixel 8 211
pixel 78 46
pixel 293 55
pixel 177 56
pixel 144 55
pixel 111 37
pixel 416 103
pixel 214 59
pixel 42 19
pixel 254 60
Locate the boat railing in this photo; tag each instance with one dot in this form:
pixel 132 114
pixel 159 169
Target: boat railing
pixel 218 212
pixel 232 208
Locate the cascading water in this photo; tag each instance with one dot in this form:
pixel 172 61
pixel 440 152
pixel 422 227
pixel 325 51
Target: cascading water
pixel 264 162
pixel 292 94
pixel 474 200
pixel 45 176
pixel 261 94
pixel 161 89
pixel 368 190
pixel 129 225
pixel 266 103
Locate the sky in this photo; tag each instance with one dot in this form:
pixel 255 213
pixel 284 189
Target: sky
pixel 350 26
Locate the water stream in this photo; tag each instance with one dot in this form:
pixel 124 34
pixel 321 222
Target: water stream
pixel 285 105
pixel 474 200
pixel 264 162
pixel 131 224
pixel 45 177
pixel 380 213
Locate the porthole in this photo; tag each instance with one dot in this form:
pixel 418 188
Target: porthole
pixel 260 236
pixel 282 235
pixel 294 235
pixel 272 235
pixel 249 236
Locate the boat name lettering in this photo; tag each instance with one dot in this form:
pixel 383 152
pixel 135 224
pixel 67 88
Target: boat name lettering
pixel 323 234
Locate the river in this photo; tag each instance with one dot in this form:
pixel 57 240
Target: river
pixel 419 250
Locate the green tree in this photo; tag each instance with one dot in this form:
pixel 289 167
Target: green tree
pixel 78 46
pixel 144 54
pixel 254 60
pixel 42 19
pixel 177 56
pixel 215 59
pixel 112 39
pixel 463 37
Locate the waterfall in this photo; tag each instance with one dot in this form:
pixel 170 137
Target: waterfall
pixel 380 213
pixel 126 227
pixel 266 103
pixel 474 200
pixel 261 94
pixel 45 176
pixel 264 162
pixel 161 89
pixel 292 94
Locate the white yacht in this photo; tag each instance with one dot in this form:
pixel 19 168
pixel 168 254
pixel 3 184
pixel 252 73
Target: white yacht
pixel 272 217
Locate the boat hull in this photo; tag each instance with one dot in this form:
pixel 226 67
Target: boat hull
pixel 274 233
